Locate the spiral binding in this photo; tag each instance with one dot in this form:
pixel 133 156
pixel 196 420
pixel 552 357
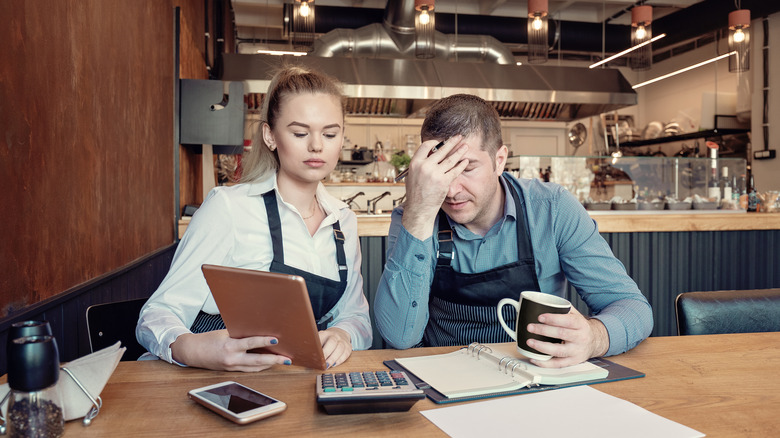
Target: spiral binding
pixel 475 348
pixel 504 364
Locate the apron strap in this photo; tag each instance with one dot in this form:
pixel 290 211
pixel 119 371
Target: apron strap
pixel 275 225
pixel 341 257
pixel 446 251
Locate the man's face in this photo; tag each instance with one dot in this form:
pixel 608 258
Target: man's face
pixel 475 198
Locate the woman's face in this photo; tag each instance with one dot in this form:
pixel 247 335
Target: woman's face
pixel 308 135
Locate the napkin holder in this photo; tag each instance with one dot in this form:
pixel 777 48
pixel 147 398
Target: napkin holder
pixel 80 383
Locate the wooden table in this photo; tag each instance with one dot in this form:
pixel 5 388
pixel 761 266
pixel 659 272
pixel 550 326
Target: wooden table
pixel 721 385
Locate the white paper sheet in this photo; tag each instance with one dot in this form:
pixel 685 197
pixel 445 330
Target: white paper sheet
pixel 579 411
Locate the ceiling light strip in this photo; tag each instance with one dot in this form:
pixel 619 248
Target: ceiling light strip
pixel 281 52
pixel 629 50
pixel 683 70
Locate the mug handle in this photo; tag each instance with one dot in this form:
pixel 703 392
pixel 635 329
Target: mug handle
pixel 501 304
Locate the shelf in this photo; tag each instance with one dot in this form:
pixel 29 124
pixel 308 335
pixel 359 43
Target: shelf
pixel 681 137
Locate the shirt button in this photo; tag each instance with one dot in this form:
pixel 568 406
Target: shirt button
pixel 414 303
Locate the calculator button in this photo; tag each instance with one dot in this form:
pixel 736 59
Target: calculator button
pixel 330 389
pixel 347 388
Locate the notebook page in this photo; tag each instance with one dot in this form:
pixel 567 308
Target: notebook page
pixel 458 374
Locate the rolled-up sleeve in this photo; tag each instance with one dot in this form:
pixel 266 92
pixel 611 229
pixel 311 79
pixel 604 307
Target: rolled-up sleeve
pixel 401 303
pixel 598 276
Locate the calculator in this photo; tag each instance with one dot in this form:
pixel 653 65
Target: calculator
pixel 366 391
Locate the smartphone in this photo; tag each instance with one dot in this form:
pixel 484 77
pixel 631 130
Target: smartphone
pixel 237 402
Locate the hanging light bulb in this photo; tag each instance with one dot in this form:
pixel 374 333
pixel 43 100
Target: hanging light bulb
pixel 641 32
pixel 537 23
pixel 424 29
pixel 739 35
pixel 424 17
pixel 739 40
pixel 304 9
pixel 537 31
pixel 303 25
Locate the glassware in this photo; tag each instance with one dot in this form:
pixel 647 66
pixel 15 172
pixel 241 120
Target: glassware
pixel 35 407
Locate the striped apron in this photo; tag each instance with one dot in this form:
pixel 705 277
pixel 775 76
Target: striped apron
pixel 462 307
pixel 324 293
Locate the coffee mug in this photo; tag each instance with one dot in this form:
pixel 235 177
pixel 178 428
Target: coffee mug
pixel 530 306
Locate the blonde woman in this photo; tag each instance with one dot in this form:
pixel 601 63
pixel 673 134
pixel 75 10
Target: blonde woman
pixel 279 218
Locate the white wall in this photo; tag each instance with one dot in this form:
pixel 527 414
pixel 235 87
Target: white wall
pixel 766 172
pixel 680 97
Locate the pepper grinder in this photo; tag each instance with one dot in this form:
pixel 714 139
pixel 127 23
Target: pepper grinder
pixel 35 407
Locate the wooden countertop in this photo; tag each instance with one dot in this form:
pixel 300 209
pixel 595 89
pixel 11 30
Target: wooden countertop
pixel 720 385
pixel 613 222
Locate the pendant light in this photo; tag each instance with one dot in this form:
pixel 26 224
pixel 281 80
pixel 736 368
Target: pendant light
pixel 739 40
pixel 424 29
pixel 641 32
pixel 537 31
pixel 303 25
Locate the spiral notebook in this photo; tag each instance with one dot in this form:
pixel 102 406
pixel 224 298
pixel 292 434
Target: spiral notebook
pixel 492 370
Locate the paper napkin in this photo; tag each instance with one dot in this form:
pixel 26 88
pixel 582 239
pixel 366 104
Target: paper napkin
pixel 92 370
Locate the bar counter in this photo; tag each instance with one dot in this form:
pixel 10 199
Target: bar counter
pixel 665 252
pixel 613 222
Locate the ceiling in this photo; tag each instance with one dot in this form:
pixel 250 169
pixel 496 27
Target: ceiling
pixel 580 29
pixel 260 23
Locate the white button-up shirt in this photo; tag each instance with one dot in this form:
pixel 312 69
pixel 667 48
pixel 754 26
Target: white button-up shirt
pixel 231 229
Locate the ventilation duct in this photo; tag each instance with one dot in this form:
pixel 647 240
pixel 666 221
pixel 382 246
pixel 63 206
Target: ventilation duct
pixel 377 65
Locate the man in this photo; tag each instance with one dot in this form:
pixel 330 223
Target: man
pixel 470 234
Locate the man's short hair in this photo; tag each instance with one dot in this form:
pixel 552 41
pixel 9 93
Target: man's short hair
pixel 463 114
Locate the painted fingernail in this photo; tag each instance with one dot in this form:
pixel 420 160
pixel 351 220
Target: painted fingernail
pixel 288 362
pixel 274 341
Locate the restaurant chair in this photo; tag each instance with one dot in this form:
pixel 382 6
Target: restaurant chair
pixel 728 311
pixel 111 322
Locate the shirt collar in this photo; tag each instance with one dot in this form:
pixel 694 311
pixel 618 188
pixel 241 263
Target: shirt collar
pixel 510 208
pixel 329 203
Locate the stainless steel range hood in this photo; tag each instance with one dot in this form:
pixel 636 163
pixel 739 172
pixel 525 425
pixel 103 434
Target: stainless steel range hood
pixel 406 87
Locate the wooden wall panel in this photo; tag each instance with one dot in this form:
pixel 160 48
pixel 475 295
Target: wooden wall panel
pixel 67 312
pixel 86 159
pixel 192 65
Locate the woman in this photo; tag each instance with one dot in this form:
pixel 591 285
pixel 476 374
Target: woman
pixel 298 145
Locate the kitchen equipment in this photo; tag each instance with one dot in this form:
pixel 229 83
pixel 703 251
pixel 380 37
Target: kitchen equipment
pixel 652 130
pixel 577 135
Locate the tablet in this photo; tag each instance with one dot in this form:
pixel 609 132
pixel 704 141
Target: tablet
pixel 259 303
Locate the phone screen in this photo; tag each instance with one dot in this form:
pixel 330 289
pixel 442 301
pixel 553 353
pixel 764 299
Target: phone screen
pixel 236 398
